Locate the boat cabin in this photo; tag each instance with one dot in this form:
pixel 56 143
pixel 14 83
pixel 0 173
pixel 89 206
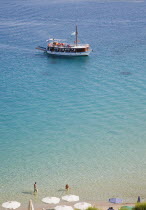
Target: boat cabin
pixel 62 47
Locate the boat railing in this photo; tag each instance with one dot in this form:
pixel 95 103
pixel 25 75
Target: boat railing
pixel 62 45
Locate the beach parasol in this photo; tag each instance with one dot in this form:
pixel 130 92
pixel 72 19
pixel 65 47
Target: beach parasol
pixel 51 200
pixel 11 205
pixel 30 205
pixel 115 200
pixel 82 205
pixel 70 198
pixel 63 208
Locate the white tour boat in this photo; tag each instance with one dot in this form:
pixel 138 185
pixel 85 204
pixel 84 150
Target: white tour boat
pixel 58 47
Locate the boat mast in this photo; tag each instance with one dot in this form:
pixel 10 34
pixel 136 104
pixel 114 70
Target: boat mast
pixel 76 35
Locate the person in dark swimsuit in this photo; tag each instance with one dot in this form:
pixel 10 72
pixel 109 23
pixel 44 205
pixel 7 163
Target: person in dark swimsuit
pixel 138 199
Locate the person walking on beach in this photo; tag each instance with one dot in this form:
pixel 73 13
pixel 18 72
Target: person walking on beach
pixel 35 188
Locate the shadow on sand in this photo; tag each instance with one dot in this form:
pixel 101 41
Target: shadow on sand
pixel 61 190
pixel 28 193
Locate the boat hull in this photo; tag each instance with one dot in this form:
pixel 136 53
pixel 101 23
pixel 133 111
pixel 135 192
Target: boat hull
pixel 68 53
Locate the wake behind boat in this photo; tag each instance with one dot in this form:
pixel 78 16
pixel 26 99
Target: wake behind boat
pixel 58 47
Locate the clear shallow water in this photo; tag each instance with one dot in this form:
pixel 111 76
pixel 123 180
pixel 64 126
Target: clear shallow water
pixel 78 121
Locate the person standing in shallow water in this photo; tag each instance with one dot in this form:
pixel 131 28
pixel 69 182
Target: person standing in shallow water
pixel 35 188
pixel 67 187
pixel 138 199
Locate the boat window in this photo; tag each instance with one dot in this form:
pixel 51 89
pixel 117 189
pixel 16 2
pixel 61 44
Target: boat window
pixel 81 49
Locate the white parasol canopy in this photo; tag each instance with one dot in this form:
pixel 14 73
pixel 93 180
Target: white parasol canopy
pixel 63 208
pixel 51 200
pixel 82 205
pixel 11 205
pixel 30 205
pixel 70 198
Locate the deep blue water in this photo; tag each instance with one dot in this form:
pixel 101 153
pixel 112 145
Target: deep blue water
pixel 79 121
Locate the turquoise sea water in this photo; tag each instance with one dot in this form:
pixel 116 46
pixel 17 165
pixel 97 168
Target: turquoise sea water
pixel 80 121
